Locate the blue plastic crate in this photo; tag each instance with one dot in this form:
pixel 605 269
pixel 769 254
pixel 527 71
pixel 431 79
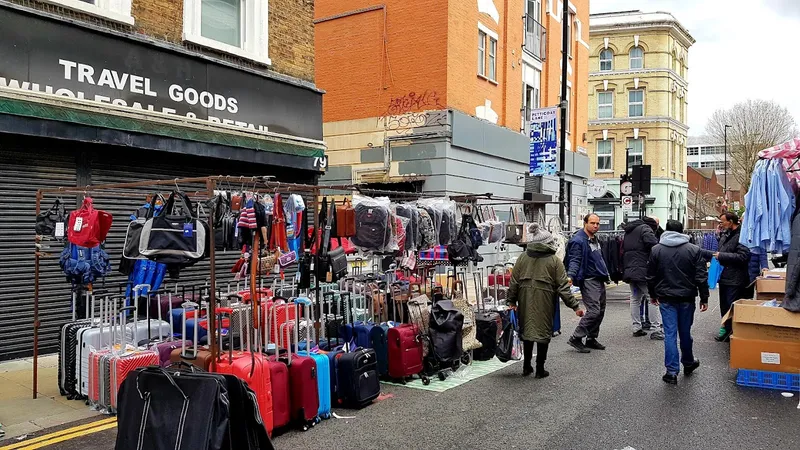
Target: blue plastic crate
pixel 768 380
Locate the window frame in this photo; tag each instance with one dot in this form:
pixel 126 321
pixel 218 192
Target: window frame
pixel 482 52
pixel 631 154
pixel 255 30
pixel 638 103
pixel 600 105
pixel 115 11
pixel 492 60
pixel 610 60
pixel 689 151
pixel 609 156
pixel 631 58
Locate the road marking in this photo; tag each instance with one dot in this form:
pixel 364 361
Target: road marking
pixel 66 434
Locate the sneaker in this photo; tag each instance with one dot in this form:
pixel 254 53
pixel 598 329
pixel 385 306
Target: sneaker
pixel 639 333
pixel 657 336
pixel 670 378
pixel 577 344
pixel 723 336
pixel 687 370
pixel 594 345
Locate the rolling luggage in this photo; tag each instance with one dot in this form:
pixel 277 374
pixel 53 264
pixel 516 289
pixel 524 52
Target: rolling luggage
pixel 405 352
pixel 446 331
pixel 488 325
pixel 279 377
pixel 250 366
pixel 146 329
pixel 322 362
pixel 95 336
pixel 358 383
pixel 67 355
pixel 198 357
pixel 302 382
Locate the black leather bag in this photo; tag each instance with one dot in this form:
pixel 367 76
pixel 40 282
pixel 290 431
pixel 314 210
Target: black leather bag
pixel 338 263
pixel 47 220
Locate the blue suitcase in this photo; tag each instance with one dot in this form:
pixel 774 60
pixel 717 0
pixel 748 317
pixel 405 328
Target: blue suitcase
pixel 378 337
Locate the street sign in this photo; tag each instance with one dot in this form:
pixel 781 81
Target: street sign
pixel 627 203
pixel 597 188
pixel 626 188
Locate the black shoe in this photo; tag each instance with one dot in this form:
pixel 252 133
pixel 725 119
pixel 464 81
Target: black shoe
pixel 670 378
pixel 527 371
pixel 577 344
pixel 639 333
pixel 687 370
pixel 594 345
pixel 541 373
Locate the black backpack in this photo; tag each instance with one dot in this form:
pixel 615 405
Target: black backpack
pixel 372 227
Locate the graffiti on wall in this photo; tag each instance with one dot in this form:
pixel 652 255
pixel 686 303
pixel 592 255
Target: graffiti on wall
pixel 413 101
pixel 413 120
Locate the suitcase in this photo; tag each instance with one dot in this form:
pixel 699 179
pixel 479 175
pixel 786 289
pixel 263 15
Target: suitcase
pixel 302 381
pixel 405 352
pixel 322 362
pixel 166 344
pixel 94 337
pixel 358 384
pixel 250 366
pixel 198 357
pixel 281 392
pixel 67 357
pixel 488 326
pixel 147 330
pixel 499 278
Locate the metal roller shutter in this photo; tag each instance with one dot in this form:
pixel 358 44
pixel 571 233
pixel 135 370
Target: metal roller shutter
pixel 25 166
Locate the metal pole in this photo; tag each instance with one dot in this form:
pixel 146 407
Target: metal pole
pixel 36 307
pixel 562 188
pixel 212 301
pixel 725 193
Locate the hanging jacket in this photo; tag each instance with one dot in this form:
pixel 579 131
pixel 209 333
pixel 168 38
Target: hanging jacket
pixel 755 233
pixel 639 240
pixel 734 258
pixel 780 208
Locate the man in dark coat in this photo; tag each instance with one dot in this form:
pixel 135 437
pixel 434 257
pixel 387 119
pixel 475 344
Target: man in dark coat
pixel 676 274
pixel 587 269
pixel 735 261
pixel 639 240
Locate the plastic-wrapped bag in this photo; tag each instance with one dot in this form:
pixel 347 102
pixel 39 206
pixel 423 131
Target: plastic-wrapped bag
pixel 426 230
pixel 510 346
pixel 373 224
pixel 411 213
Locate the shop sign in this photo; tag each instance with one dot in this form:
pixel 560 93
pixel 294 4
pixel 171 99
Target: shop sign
pixel 109 70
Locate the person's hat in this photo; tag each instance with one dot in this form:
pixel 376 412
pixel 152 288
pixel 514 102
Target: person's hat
pixel 537 235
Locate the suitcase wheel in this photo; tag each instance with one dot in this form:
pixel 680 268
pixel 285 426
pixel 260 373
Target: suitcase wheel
pixel 425 380
pixel 466 358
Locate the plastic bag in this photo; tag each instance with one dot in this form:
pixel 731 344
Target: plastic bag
pixel 510 346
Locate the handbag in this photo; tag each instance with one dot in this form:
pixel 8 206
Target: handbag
pixel 338 264
pixel 88 227
pixel 509 348
pixel 266 264
pixel 47 222
pixel 175 238
pixel 345 219
pixel 287 258
pixel 515 230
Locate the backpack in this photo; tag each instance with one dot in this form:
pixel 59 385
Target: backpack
pixel 84 265
pixel 88 227
pixel 427 239
pixel 373 230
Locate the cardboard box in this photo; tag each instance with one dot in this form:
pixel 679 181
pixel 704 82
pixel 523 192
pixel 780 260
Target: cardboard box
pixel 771 286
pixel 771 356
pixel 753 321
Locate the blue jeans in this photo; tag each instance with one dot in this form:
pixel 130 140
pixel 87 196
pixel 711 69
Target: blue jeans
pixel 677 319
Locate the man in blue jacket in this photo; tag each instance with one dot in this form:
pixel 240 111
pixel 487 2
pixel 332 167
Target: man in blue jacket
pixel 587 269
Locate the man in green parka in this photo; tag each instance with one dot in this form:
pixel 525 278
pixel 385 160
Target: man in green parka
pixel 538 277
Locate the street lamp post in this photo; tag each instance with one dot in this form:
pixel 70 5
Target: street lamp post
pixel 725 196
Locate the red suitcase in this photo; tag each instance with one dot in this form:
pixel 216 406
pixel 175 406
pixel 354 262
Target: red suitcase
pixel 126 361
pixel 405 351
pixel 249 366
pixel 281 394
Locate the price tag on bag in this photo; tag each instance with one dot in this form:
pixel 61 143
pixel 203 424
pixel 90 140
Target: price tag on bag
pixel 60 230
pixel 78 224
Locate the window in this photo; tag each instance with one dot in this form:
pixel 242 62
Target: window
pixel 694 164
pixel 604 155
pixel 605 105
pixel 606 59
pixel 693 151
pixel 535 9
pixel 635 152
pixel 492 58
pixel 637 58
pixel 636 103
pixel 237 27
pixel 481 53
pixel 569 34
pixel 716 150
pixel 716 165
pixel 117 11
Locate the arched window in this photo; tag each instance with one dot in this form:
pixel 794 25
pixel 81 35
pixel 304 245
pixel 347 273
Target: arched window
pixel 606 57
pixel 637 58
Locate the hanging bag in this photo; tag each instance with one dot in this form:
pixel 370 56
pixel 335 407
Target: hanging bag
pixel 515 230
pixel 88 227
pixel 174 238
pixel 510 347
pixel 345 219
pixel 47 222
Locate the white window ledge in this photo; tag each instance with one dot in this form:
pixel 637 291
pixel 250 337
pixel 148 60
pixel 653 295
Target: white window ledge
pixel 604 171
pixel 227 48
pixel 115 11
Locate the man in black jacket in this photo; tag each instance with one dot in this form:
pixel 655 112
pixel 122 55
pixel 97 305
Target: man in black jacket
pixel 639 240
pixel 735 260
pixel 676 274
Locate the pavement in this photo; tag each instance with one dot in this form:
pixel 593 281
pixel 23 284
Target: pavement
pixel 611 399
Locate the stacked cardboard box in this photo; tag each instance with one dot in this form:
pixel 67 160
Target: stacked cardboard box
pixel 765 337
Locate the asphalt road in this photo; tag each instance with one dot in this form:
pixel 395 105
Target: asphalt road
pixel 604 400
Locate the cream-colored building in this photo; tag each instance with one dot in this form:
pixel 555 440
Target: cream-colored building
pixel 638 106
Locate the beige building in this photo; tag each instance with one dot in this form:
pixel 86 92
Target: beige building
pixel 638 106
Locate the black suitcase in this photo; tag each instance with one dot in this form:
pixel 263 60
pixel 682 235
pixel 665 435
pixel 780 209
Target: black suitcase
pixel 358 382
pixel 486 332
pixel 67 356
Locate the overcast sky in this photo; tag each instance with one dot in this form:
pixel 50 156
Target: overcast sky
pixel 745 49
